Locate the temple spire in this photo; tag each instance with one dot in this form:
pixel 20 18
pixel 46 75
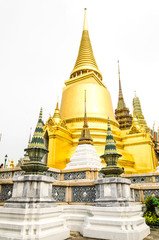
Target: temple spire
pixel 111 156
pixel 121 103
pixel 85 25
pixel 57 116
pixel 85 134
pixel 85 61
pixel 122 112
pixel 138 112
pixel 85 114
pixel 38 139
pixel 110 146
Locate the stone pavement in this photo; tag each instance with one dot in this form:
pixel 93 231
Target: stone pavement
pixel 153 236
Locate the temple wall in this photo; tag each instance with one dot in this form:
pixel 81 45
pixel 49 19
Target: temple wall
pixel 77 186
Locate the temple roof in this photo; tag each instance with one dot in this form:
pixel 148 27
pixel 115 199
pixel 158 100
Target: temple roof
pixel 85 60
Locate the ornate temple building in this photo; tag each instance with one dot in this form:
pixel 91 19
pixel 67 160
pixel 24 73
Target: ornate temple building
pixel 63 130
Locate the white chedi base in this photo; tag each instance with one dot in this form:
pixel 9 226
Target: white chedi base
pixel 85 156
pixel 111 223
pixel 32 223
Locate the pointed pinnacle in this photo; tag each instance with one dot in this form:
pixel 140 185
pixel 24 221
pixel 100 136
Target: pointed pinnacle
pixel 57 105
pixel 120 90
pixel 85 134
pixel 118 70
pixel 135 93
pixel 41 112
pixel 85 114
pixel 85 25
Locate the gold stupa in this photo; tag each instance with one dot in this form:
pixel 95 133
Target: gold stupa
pixel 63 130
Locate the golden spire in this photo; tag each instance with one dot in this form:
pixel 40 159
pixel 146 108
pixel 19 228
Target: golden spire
pixel 85 25
pixel 121 103
pixel 85 134
pixel 85 61
pixel 57 116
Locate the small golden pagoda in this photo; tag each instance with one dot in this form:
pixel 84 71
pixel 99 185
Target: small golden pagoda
pixel 63 130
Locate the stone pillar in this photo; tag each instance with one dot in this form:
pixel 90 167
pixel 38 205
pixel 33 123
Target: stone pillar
pixel 113 191
pixel 31 191
pixel 31 212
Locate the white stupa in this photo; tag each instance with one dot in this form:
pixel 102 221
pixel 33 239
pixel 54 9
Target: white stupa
pixel 85 155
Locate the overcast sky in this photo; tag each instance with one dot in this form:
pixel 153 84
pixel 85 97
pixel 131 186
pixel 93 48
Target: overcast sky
pixel 39 42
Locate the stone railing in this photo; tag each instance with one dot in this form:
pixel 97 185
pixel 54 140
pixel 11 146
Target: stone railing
pixel 77 186
pixel 143 184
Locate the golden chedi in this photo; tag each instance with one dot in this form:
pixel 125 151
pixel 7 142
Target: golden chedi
pixel 62 131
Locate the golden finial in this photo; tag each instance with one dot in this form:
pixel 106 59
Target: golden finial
pixel 85 25
pixel 57 105
pixel 119 70
pixel 135 93
pixel 85 134
pixel 57 115
pixel 85 115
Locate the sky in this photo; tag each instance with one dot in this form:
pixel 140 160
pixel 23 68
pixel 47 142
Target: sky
pixel 39 42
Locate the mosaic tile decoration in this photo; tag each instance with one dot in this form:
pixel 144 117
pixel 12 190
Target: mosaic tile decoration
pixel 5 175
pixel 157 178
pixel 141 179
pixel 83 194
pixel 18 173
pixel 150 192
pixel 59 193
pixel 74 175
pixel 6 192
pixel 53 175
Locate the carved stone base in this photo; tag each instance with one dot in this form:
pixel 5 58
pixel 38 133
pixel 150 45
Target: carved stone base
pixel 113 191
pixel 113 223
pixel 32 223
pixel 31 191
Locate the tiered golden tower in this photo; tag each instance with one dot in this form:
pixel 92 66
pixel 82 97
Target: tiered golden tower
pixel 63 130
pixel 138 112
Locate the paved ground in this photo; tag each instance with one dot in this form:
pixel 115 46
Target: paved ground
pixel 153 236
